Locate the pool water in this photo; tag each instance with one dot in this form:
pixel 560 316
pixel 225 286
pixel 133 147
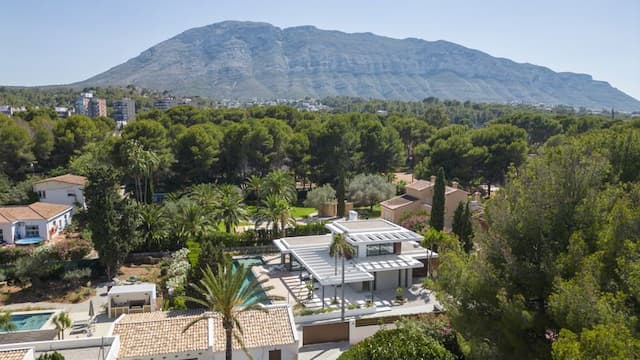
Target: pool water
pixel 29 241
pixel 248 263
pixel 29 321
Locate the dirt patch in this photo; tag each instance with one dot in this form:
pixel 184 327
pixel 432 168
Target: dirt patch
pixel 144 273
pixel 57 292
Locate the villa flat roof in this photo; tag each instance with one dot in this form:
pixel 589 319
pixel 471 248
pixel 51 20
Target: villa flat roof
pixel 135 288
pixel 376 231
pixel 353 226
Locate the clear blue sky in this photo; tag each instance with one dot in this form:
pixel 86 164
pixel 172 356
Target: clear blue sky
pixel 54 42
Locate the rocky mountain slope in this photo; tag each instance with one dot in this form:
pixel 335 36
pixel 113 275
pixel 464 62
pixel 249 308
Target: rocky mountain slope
pixel 241 60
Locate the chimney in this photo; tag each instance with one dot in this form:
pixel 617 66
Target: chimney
pixel 433 178
pixel 454 184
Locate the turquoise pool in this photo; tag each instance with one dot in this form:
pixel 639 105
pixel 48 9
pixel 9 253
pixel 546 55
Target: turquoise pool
pixel 249 262
pixel 33 321
pixel 29 241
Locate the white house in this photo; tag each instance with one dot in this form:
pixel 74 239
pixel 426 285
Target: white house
pixel 126 299
pixel 267 334
pixel 64 189
pixel 385 255
pixel 32 224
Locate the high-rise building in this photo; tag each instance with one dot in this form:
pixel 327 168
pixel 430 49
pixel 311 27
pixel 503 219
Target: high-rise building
pixel 82 104
pixel 123 111
pixel 97 107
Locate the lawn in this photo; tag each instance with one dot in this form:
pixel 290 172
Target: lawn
pixel 302 212
pixel 297 212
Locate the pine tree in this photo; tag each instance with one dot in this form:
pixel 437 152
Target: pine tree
pixel 437 203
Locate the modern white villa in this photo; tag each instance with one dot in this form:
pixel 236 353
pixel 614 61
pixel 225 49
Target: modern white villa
pixel 32 224
pixel 66 189
pixel 386 255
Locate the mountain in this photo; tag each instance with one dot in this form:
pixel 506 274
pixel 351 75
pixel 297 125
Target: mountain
pixel 241 60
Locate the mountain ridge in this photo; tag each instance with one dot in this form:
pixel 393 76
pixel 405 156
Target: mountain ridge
pixel 242 60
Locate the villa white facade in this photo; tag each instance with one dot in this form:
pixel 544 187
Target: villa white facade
pixel 385 257
pixel 65 189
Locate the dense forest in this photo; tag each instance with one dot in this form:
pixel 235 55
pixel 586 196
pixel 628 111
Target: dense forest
pixel 553 272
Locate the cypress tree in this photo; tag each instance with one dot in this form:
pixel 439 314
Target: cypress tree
pixel 437 203
pixel 462 226
pixel 467 235
pixel 457 226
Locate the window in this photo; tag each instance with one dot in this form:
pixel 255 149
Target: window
pixel 42 194
pixel 275 354
pixel 32 231
pixel 379 249
pixel 1 236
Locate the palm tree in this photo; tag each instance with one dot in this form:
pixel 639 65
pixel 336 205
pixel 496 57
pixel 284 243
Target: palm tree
pixel 141 165
pixel 229 208
pixel 273 210
pixel 340 248
pixel 153 226
pixel 253 185
pixel 205 195
pixel 281 183
pixel 192 220
pixel 225 294
pixel 61 322
pixel 5 321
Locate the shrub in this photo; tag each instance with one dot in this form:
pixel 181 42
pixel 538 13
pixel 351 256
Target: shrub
pixel 72 249
pixel 74 277
pixel 320 195
pixel 179 303
pixel 368 190
pixel 397 344
pixel 9 255
pixel 42 264
pixel 51 356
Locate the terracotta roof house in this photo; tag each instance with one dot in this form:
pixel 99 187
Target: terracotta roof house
pixel 64 189
pixel 419 196
pixel 159 335
pixel 32 224
pixel 17 354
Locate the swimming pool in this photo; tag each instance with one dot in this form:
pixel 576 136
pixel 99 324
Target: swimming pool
pixel 248 263
pixel 29 241
pixel 31 321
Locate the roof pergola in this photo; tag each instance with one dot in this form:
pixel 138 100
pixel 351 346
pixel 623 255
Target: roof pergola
pixel 322 267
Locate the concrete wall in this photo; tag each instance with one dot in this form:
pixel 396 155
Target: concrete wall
pixel 451 202
pixel 357 334
pixel 58 193
pixel 396 214
pixel 387 280
pixel 7 232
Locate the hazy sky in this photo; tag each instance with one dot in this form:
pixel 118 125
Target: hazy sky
pixel 54 42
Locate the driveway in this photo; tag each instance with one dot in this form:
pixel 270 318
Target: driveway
pixel 326 351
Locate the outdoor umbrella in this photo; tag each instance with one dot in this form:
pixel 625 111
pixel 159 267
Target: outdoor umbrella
pixel 92 312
